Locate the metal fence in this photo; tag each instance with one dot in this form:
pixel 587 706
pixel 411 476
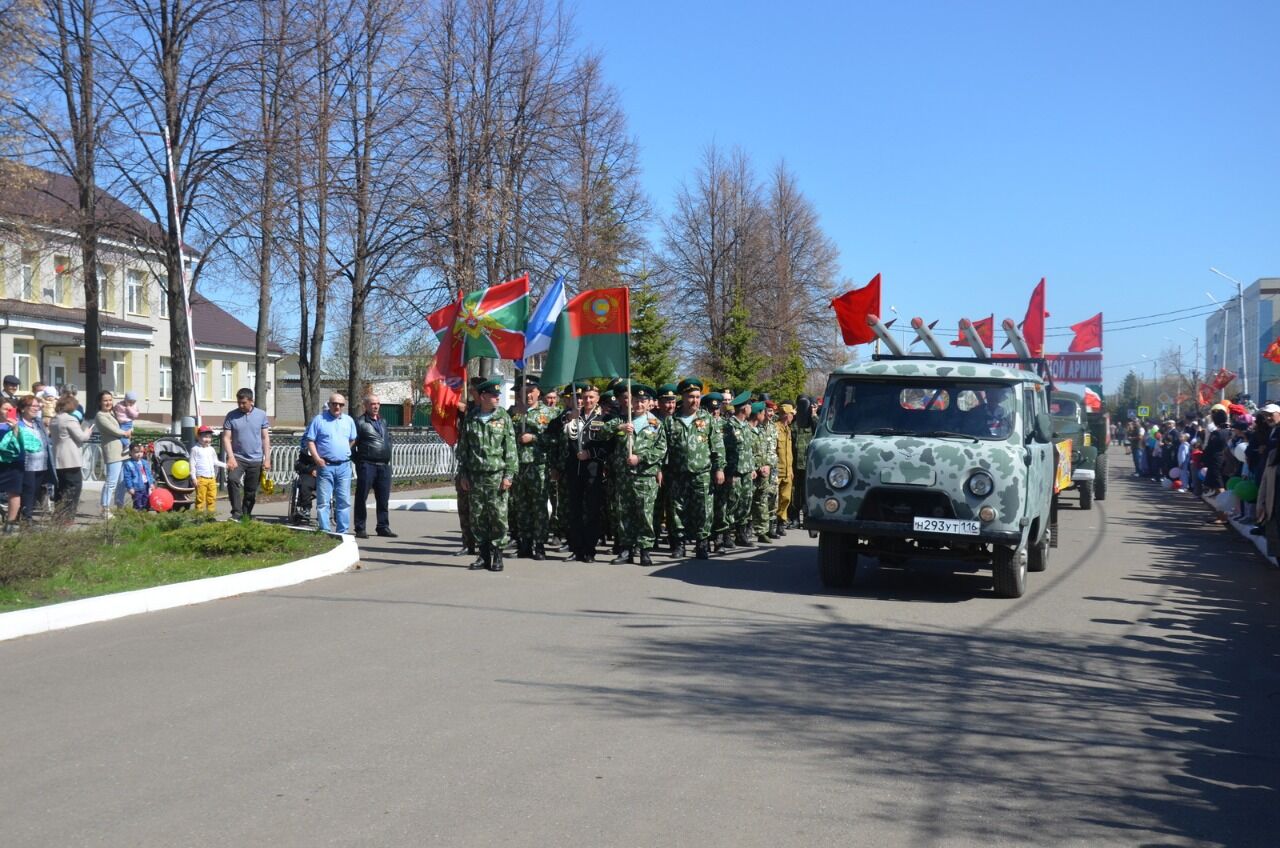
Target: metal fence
pixel 415 455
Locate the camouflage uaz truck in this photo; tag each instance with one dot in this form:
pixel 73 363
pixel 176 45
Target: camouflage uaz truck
pixel 936 458
pixel 1068 413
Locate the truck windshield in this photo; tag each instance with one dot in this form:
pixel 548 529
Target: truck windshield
pixel 935 408
pixel 1063 408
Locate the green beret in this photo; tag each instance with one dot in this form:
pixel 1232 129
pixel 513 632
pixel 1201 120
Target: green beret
pixel 667 391
pixel 688 384
pixel 757 407
pixel 493 385
pixel 741 399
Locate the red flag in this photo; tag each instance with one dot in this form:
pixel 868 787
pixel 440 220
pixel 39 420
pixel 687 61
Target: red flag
pixel 448 361
pixel 1222 378
pixel 1092 402
pixel 1088 335
pixel 1273 351
pixel 1033 324
pixel 445 396
pixel 1206 394
pixel 852 309
pixel 986 328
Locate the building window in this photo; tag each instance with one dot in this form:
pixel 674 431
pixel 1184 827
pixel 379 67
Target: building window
pixel 135 303
pixel 22 363
pixel 202 379
pixel 166 378
pixel 105 300
pixel 61 280
pixel 228 380
pixel 163 284
pixel 29 260
pixel 120 376
pixel 57 375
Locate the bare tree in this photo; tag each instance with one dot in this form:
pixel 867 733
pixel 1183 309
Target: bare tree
pixel 173 66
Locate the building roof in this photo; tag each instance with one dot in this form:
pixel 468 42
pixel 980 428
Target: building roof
pixel 49 312
pixel 52 200
pixel 213 326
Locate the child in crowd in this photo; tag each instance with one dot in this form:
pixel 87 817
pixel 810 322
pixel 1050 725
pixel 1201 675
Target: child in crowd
pixel 204 467
pixel 137 478
pixel 125 411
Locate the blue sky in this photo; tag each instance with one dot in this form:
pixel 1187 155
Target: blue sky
pixel 965 150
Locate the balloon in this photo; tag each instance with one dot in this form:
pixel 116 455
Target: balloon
pixel 1175 473
pixel 161 500
pixel 1247 491
pixel 1204 473
pixel 181 469
pixel 1233 482
pixel 1239 450
pixel 1177 484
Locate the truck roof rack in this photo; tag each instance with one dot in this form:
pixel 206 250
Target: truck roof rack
pixel 1036 364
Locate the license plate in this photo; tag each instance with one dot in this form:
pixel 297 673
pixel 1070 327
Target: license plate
pixel 953 526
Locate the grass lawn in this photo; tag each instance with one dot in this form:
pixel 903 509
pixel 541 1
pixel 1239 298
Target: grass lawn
pixel 136 550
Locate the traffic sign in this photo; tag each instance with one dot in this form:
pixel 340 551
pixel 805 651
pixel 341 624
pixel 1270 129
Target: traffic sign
pixel 1144 412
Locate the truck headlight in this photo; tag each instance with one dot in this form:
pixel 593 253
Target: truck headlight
pixel 980 484
pixel 839 476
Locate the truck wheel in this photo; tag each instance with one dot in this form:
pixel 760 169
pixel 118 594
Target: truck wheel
pixel 1086 494
pixel 1038 556
pixel 1053 523
pixel 1100 478
pixel 837 560
pixel 1009 569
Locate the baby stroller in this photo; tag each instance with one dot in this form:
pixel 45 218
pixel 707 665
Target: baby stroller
pixel 165 451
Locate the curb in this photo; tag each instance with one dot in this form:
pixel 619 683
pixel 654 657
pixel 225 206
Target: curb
pixel 29 622
pixel 425 505
pixel 1259 542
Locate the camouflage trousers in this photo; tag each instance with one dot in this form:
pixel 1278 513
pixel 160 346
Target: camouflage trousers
pixel 488 508
pixel 638 497
pixel 529 503
pixel 764 503
pixel 720 507
pixel 691 506
pixel 464 511
pixel 739 495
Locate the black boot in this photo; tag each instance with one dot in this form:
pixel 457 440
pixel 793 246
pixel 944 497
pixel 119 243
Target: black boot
pixel 481 561
pixel 644 557
pixel 726 541
pixel 763 538
pixel 467 549
pixel 524 549
pixel 700 550
pixel 622 555
pixel 675 547
pixel 539 551
pixel 495 561
pixel 775 531
pixel 742 539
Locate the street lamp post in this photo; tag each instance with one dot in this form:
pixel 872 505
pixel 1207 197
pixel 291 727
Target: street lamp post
pixel 1244 362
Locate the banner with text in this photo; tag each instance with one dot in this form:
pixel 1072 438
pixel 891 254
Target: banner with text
pixel 1075 367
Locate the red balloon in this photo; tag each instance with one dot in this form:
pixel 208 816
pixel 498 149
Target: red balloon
pixel 161 500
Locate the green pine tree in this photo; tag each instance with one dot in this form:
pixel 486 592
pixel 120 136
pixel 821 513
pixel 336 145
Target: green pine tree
pixel 740 365
pixel 651 358
pixel 788 382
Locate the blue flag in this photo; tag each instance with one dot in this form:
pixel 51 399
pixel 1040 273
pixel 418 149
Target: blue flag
pixel 537 334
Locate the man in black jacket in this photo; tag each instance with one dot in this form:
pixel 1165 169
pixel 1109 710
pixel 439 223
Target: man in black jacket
pixel 372 457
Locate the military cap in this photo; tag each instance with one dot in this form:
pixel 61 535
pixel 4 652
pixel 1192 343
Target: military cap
pixel 640 390
pixel 615 383
pixel 788 409
pixel 491 386
pixel 741 399
pixel 711 402
pixel 475 382
pixel 688 384
pixel 620 388
pixel 667 391
pixel 526 380
pixel 757 407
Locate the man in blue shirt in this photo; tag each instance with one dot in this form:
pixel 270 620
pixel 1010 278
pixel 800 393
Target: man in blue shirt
pixel 329 438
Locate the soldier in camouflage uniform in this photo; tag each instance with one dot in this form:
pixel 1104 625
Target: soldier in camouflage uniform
pixel 529 494
pixel 695 456
pixel 712 403
pixel 802 429
pixel 740 474
pixel 766 460
pixel 464 506
pixel 635 463
pixel 664 408
pixel 487 465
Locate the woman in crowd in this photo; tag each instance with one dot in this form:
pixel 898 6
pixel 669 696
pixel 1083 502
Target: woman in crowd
pixel 12 455
pixel 68 435
pixel 38 462
pixel 113 452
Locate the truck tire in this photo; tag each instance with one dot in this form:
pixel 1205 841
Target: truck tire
pixel 1009 571
pixel 837 560
pixel 1053 523
pixel 1100 478
pixel 1038 555
pixel 1086 494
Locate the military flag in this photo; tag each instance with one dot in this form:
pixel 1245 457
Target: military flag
pixel 592 338
pixel 1088 335
pixel 1033 323
pixel 852 309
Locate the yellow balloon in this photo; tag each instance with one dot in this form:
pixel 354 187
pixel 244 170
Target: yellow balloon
pixel 181 469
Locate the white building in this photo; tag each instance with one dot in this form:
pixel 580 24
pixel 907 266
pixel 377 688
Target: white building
pixel 1261 328
pixel 42 316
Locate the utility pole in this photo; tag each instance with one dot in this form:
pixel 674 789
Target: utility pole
pixel 1244 361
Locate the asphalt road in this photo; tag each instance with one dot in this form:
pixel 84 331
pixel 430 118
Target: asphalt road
pixel 1132 697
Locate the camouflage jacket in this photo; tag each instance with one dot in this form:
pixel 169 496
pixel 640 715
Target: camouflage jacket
pixel 800 439
pixel 650 445
pixel 739 448
pixel 538 422
pixel 487 447
pixel 696 447
pixel 767 446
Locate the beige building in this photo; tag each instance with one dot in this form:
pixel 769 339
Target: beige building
pixel 42 315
